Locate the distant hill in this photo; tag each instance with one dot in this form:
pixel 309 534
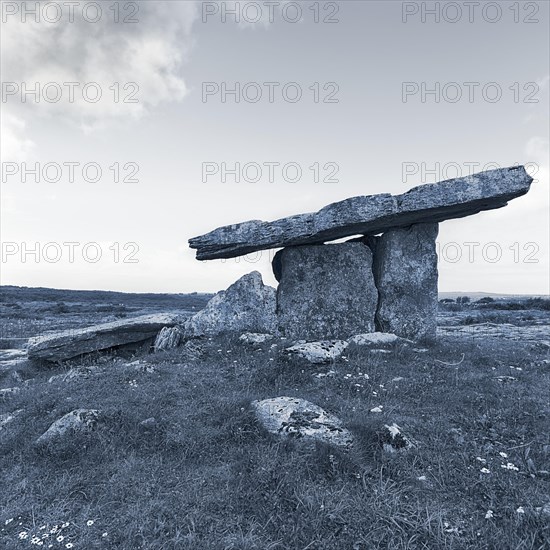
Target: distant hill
pixel 38 294
pixel 477 295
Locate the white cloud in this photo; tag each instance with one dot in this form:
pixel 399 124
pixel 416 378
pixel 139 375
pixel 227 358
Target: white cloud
pixel 149 53
pixel 14 146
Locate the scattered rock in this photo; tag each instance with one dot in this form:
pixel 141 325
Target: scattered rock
pixel 168 338
pixel 252 338
pixel 325 291
pixel 79 421
pixel 378 340
pixel 369 215
pixel 393 439
pixel 67 344
pixel 246 306
pixel 405 271
pixel 318 352
pixel 294 417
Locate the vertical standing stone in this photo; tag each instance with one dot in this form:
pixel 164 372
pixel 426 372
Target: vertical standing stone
pixel 325 291
pixel 405 272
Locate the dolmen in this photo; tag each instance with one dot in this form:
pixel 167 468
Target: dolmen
pixel 384 278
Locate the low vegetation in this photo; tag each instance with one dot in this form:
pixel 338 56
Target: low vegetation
pixel 204 475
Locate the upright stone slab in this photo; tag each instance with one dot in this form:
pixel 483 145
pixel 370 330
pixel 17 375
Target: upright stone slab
pixel 405 272
pixel 325 291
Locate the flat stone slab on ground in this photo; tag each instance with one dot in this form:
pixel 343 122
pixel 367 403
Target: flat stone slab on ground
pixel 369 215
pixel 67 344
pixel 294 417
pixel 318 352
pixel 378 340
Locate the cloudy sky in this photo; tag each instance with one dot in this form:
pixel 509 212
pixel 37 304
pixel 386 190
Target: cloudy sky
pixel 130 118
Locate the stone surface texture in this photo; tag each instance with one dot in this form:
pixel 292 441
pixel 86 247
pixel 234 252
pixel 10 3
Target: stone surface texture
pixel 294 417
pixel 168 338
pixel 378 340
pixel 67 344
pixel 369 215
pixel 405 273
pixel 325 291
pixel 246 306
pixel 318 352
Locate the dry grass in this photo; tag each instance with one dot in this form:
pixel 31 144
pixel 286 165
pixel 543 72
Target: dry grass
pixel 207 477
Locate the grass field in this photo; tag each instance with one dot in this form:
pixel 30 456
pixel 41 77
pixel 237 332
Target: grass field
pixel 204 475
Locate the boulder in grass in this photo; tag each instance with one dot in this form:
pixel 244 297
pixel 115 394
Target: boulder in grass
pixel 68 344
pixel 393 439
pixel 77 422
pixel 378 340
pixel 253 338
pixel 318 352
pixel 298 418
pixel 246 306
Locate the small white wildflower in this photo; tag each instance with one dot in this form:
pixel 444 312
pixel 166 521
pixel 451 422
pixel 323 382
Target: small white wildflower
pixel 520 510
pixel 45 535
pixel 54 529
pixel 8 521
pixel 376 409
pixel 510 466
pixel 90 522
pixel 60 538
pixel 489 514
pixel 34 540
pixel 485 471
pixel 69 545
pixel 42 528
pixel 23 535
pixel 421 478
pixel 104 535
pixel 66 524
pixel 503 455
pixel 482 460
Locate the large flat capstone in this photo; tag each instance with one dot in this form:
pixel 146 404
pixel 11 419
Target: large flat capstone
pixel 370 214
pixel 67 344
pixel 325 291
